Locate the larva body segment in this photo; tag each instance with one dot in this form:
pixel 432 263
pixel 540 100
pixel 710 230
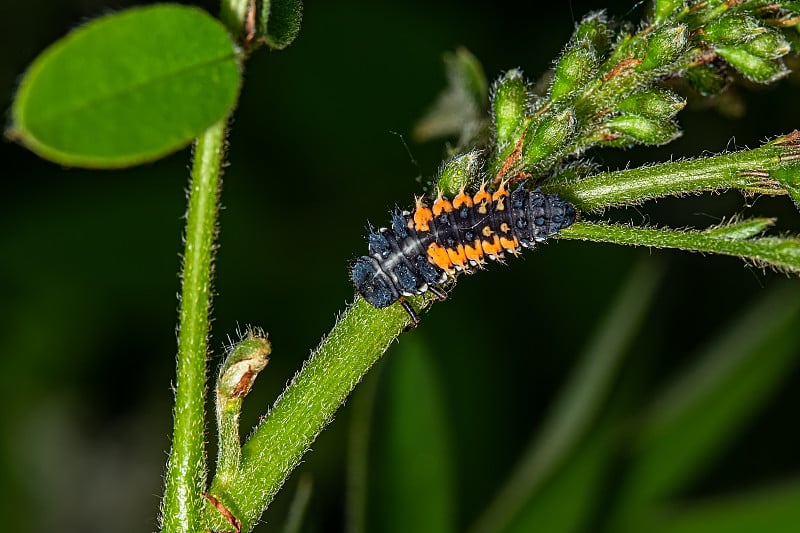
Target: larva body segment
pixel 426 246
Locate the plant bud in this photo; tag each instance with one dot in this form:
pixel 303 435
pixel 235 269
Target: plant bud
pixel 706 80
pixel 752 66
pixel 644 130
pixel 594 30
pixel 576 66
pixel 509 105
pixel 552 133
pixel 626 48
pixel 654 103
pixel 664 9
pixel 733 29
pixel 460 172
pixel 770 45
pixel 241 366
pixel 664 46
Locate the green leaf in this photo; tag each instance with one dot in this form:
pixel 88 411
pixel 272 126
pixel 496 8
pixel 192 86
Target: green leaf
pixel 691 422
pixel 297 511
pixel 127 88
pixel 280 22
pixel 575 410
pixel 566 502
pixel 415 484
pixel 772 509
pixel 459 109
pixel 741 229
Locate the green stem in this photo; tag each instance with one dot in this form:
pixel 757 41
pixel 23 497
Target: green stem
pixel 363 333
pixel 359 338
pixel 186 471
pixel 361 418
pixel 230 445
pixel 187 463
pixel 749 170
pixel 297 510
pixel 777 252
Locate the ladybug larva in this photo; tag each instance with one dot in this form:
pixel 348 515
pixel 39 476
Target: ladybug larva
pixel 425 247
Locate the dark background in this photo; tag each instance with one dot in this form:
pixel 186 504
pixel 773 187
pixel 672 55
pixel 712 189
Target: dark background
pixel 89 263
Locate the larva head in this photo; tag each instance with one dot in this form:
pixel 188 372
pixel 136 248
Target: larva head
pixel 372 283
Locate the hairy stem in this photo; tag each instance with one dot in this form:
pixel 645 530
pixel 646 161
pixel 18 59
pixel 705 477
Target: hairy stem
pixel 777 252
pixel 186 471
pixel 748 170
pixel 363 333
pixel 187 463
pixel 359 338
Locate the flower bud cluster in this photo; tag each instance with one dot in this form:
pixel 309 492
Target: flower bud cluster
pixel 746 42
pixel 646 117
pixel 605 88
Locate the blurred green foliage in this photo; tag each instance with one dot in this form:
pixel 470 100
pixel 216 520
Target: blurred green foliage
pixel 88 273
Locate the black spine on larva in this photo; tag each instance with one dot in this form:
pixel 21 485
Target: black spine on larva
pixel 398 263
pixel 445 230
pixel 466 223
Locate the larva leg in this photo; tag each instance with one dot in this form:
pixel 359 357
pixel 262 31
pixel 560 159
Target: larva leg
pixel 410 310
pixel 442 295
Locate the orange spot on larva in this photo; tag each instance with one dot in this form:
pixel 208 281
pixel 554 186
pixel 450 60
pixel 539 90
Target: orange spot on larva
pixel 422 216
pixel 439 257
